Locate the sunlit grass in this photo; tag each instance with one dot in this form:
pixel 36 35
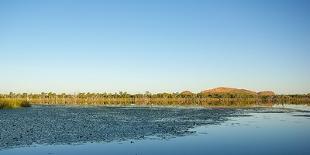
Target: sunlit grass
pixel 13 103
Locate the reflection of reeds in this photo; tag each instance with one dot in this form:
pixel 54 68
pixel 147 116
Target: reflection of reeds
pixel 13 103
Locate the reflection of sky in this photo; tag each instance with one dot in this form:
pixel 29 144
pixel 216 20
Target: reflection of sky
pixel 292 106
pixel 262 133
pixel 161 45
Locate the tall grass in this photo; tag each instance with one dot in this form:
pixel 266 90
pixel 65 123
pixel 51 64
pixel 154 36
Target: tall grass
pixel 13 103
pixel 13 100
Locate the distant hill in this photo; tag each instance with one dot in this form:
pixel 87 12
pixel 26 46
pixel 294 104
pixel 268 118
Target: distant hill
pixel 224 90
pixel 266 93
pixel 187 93
pixel 234 92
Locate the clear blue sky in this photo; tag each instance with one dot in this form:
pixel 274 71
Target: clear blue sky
pixel 157 45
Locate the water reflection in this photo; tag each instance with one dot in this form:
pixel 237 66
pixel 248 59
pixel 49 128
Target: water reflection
pixel 103 130
pixel 74 125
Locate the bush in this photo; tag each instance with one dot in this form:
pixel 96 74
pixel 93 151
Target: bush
pixel 13 103
pixel 25 104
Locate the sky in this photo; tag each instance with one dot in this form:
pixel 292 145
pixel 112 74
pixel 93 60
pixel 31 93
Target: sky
pixel 157 45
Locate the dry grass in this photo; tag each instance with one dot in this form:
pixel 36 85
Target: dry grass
pixel 13 103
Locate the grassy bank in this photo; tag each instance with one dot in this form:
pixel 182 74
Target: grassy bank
pixel 13 103
pixel 221 96
pixel 160 101
pixel 206 101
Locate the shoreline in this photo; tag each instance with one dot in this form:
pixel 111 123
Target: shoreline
pixel 154 105
pixel 192 106
pixel 191 102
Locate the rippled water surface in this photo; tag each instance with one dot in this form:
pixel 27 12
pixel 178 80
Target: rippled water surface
pixel 154 130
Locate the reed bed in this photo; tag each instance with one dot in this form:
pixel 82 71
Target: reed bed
pixel 9 103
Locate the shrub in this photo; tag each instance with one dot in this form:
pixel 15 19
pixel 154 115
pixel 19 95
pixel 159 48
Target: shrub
pixel 13 103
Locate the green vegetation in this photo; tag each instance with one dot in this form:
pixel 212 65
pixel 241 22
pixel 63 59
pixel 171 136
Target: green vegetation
pixel 213 97
pixel 11 103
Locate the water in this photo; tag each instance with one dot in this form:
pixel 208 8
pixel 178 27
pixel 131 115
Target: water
pixel 63 130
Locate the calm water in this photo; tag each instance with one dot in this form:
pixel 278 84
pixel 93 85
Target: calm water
pixel 63 130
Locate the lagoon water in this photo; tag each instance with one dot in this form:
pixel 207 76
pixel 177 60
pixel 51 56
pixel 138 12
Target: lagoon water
pixel 62 130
